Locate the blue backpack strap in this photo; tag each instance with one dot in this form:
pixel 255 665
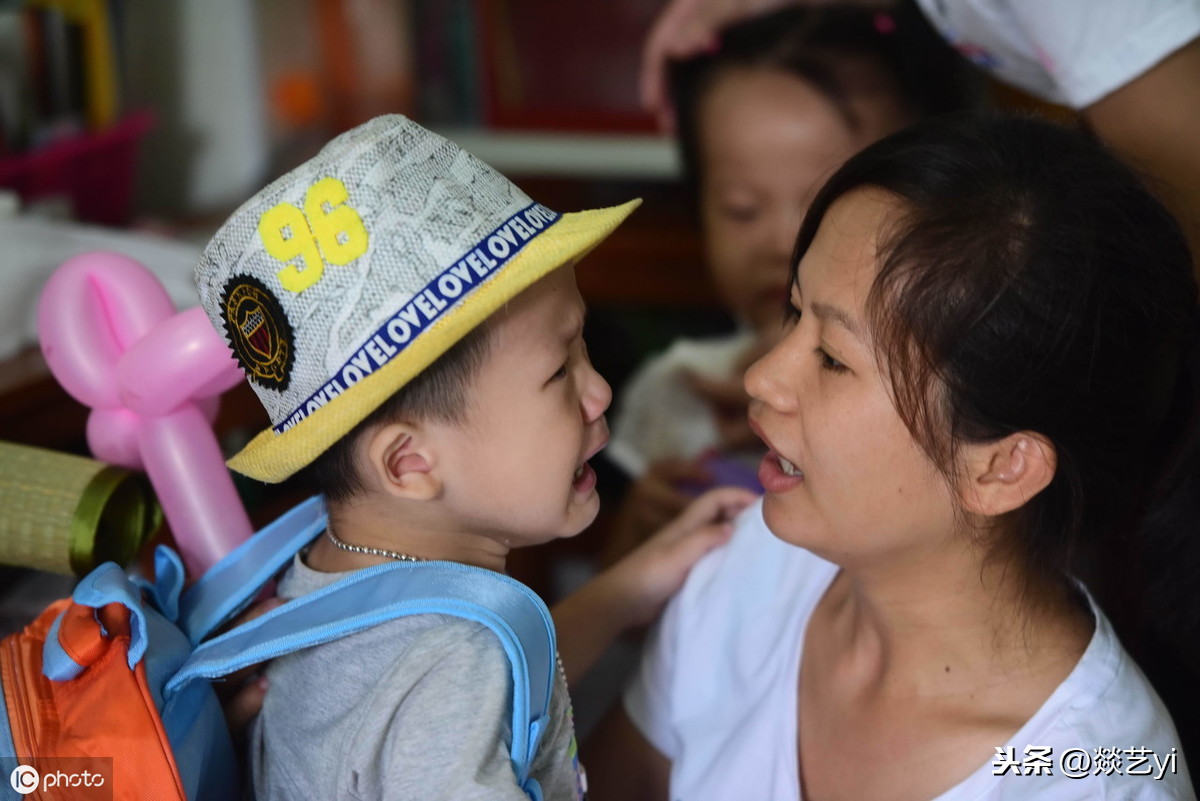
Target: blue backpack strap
pixel 8 748
pixel 230 585
pixel 386 592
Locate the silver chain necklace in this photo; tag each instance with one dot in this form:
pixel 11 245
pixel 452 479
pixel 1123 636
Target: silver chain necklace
pixel 345 546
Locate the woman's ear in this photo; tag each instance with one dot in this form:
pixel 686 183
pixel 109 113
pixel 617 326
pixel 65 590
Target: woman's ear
pixel 1003 475
pixel 401 462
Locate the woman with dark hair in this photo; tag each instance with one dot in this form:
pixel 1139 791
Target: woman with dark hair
pixel 762 121
pixel 987 385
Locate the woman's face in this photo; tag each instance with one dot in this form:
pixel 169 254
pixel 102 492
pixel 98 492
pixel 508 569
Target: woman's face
pixel 843 476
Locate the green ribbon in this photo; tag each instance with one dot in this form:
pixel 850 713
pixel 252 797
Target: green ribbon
pixel 116 514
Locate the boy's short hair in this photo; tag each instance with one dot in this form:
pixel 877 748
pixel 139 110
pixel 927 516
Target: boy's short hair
pixel 347 278
pixel 442 392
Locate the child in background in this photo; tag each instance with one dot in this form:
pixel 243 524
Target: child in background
pixel 411 323
pixel 779 105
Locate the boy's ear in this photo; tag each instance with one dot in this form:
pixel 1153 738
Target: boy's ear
pixel 1003 475
pixel 401 461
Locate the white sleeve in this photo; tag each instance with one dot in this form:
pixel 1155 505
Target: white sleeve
pixel 1066 51
pixel 648 696
pixel 1094 48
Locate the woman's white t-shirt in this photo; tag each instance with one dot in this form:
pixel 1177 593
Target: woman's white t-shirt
pixel 716 693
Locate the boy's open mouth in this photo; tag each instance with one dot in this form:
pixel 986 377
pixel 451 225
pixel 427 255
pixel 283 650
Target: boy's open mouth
pixel 585 477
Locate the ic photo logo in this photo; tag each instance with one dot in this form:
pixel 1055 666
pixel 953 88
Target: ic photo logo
pixel 65 773
pixel 24 779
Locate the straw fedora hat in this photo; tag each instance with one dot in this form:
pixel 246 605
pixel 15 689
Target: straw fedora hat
pixel 338 283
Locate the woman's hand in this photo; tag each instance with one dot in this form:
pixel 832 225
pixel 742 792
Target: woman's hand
pixel 683 29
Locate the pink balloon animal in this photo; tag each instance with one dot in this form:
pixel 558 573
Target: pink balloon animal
pixel 152 378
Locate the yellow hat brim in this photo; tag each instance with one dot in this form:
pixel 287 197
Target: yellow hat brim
pixel 272 457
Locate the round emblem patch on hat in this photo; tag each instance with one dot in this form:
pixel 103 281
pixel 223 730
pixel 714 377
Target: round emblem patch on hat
pixel 258 330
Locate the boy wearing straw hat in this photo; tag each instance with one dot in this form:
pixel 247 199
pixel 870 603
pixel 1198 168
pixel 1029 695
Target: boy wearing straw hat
pixel 410 321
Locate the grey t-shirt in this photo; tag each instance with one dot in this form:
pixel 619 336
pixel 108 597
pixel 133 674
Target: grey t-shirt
pixel 416 708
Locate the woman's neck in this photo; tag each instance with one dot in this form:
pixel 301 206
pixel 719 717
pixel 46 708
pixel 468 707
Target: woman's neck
pixel 953 623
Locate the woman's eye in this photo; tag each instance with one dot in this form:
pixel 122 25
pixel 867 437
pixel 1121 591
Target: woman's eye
pixel 560 373
pixel 829 363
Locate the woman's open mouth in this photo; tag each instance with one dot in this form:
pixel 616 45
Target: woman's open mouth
pixel 777 474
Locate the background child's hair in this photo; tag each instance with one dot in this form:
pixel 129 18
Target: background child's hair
pixel 845 52
pixel 1033 283
pixel 440 392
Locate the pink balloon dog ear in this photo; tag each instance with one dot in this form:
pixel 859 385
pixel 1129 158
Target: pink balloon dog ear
pixel 151 376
